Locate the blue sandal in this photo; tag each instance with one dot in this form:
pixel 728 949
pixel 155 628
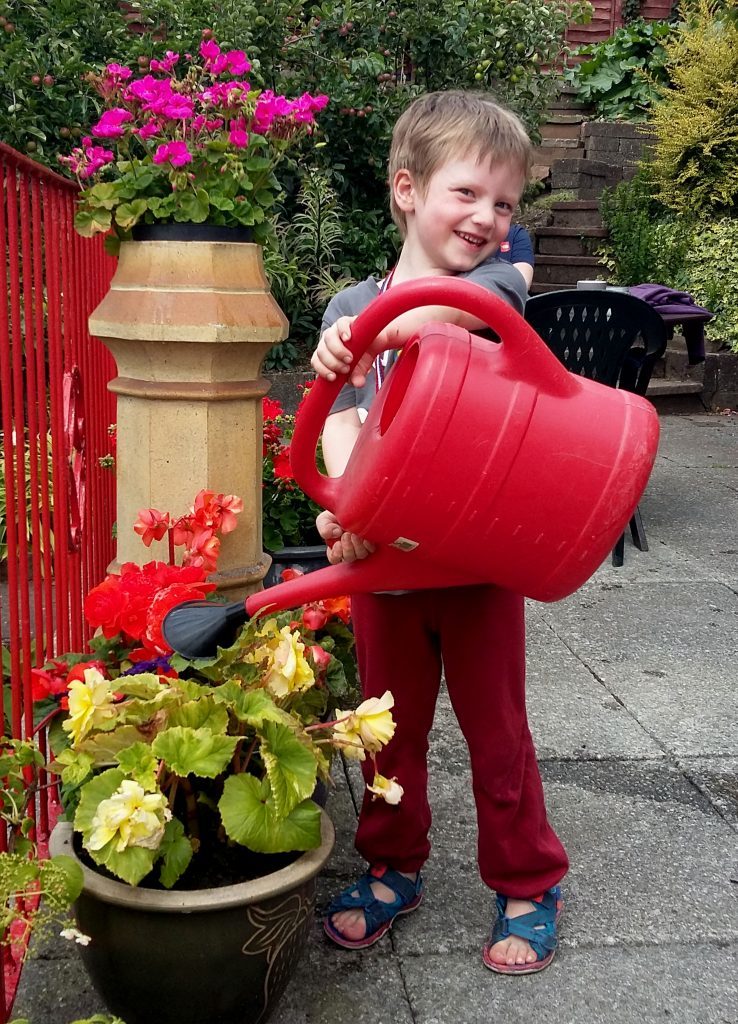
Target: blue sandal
pixel 538 928
pixel 379 916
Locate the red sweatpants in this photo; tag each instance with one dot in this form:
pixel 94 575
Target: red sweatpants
pixel 478 634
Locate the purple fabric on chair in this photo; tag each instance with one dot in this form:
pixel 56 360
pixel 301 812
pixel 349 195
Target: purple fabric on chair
pixel 676 307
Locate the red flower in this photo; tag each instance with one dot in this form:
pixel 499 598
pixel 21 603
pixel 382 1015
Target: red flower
pixel 103 606
pixel 282 467
pixel 271 409
pixel 340 607
pixel 48 682
pixel 175 594
pixel 321 658
pixel 203 551
pixel 151 525
pixel 315 616
pixel 291 574
pixel 77 672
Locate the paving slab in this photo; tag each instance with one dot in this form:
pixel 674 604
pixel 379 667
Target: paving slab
pixel 334 986
pixel 601 986
pixel 708 442
pixel 644 844
pixel 571 713
pixel 717 778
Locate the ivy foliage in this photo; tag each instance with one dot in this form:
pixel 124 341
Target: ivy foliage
pixel 696 118
pixel 620 77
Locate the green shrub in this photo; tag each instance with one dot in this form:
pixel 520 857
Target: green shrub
pixel 696 118
pixel 645 242
pixel 303 266
pixel 711 276
pixel 621 75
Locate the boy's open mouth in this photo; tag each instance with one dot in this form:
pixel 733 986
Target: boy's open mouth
pixel 475 240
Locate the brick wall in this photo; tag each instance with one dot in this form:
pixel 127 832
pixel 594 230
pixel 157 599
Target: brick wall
pixel 614 142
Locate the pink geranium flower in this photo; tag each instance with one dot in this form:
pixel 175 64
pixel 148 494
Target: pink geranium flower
pixel 110 125
pixel 175 153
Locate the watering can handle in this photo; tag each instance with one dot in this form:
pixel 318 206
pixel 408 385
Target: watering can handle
pixel 429 291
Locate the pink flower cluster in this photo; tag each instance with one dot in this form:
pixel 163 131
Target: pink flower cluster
pixel 175 118
pixel 87 161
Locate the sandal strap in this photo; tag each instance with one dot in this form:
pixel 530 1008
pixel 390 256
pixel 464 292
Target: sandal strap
pixel 538 927
pixel 376 912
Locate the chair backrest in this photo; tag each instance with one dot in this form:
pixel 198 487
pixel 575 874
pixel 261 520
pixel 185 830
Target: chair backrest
pixel 607 336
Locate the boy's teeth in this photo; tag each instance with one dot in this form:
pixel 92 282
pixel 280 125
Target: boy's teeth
pixel 473 239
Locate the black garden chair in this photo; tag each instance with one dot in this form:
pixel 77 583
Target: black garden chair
pixel 607 336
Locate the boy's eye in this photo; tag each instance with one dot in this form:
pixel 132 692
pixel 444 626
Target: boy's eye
pixel 465 191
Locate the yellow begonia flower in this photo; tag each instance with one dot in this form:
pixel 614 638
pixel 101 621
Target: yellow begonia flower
pixel 132 817
pixel 287 669
pixel 390 790
pixel 366 729
pixel 90 704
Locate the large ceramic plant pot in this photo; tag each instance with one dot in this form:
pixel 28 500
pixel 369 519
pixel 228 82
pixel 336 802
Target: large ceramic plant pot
pixel 209 956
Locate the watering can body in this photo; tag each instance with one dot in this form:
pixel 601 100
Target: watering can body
pixel 479 462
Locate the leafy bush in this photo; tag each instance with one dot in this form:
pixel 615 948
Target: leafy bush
pixel 711 276
pixel 621 76
pixel 696 118
pixel 647 242
pixel 302 263
pixel 644 242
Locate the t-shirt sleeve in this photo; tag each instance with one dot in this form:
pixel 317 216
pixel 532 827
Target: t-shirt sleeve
pixel 502 279
pixel 521 247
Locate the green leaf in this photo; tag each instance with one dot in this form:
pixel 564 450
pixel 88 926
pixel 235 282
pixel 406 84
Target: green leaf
pixel 104 194
pixel 253 707
pixel 131 864
pixel 139 763
pixel 194 751
pixel 91 222
pixel 105 747
pixel 249 818
pixel 144 685
pixel 176 851
pixel 192 207
pixel 291 767
pixel 77 766
pixel 128 214
pixel 200 714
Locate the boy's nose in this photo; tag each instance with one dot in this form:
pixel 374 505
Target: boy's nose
pixel 484 217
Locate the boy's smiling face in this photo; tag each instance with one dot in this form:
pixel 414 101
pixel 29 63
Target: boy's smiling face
pixel 463 215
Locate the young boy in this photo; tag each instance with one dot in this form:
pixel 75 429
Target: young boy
pixel 458 165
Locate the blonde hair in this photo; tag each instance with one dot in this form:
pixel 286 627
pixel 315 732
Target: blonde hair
pixel 442 125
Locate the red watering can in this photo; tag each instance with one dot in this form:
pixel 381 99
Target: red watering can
pixel 479 462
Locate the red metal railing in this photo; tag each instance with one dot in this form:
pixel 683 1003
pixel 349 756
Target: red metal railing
pixel 59 502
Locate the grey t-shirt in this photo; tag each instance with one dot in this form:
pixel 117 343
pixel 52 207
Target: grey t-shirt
pixel 495 275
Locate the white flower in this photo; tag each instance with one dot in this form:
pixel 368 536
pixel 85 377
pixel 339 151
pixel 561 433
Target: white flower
pixel 389 790
pixel 73 934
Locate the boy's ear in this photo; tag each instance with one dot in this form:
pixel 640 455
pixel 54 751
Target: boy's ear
pixel 404 190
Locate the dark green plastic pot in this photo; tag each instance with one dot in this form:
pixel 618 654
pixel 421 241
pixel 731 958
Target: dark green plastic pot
pixel 209 956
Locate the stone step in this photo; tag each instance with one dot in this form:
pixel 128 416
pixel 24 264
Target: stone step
pixel 565 271
pixel 577 215
pixel 668 387
pixel 555 129
pixel 568 241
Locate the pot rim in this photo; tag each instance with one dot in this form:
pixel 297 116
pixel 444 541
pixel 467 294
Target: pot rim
pixel 285 879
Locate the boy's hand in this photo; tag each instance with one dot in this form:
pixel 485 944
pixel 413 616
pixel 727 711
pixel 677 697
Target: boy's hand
pixel 342 546
pixel 332 358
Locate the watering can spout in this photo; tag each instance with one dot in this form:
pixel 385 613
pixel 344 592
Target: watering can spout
pixel 387 569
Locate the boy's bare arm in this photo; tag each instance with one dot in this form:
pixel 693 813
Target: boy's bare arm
pixel 339 437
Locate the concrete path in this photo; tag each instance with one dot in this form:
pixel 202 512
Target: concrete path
pixel 633 696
